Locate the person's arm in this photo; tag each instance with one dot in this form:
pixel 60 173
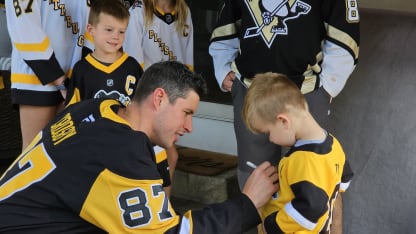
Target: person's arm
pixel 31 42
pixel 236 215
pixel 224 42
pixel 73 90
pixel 188 59
pixel 341 47
pixel 134 33
pixel 347 174
pixel 223 54
pixel 134 205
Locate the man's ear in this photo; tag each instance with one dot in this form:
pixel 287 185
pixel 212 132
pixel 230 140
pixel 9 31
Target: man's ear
pixel 159 95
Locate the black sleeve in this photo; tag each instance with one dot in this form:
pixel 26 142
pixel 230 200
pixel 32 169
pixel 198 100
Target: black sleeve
pixel 232 216
pixel 71 83
pixel 46 70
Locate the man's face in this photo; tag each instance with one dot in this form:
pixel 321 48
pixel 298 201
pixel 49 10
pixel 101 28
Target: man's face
pixel 174 120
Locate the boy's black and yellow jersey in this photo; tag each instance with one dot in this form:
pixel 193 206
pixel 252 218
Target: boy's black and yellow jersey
pixel 93 79
pixel 89 172
pixel 311 176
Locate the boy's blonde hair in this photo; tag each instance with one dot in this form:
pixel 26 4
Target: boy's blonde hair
pixel 269 95
pixel 180 13
pixel 114 8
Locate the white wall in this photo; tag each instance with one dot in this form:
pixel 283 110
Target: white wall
pixel 395 5
pixel 213 129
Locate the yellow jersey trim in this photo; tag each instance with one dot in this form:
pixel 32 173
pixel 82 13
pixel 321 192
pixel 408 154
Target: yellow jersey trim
pixel 104 68
pixel 42 46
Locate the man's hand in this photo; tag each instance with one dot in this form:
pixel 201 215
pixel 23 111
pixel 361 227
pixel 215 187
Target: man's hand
pixel 228 81
pixel 261 184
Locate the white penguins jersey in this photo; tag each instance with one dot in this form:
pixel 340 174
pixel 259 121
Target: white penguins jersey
pixel 47 38
pixel 160 41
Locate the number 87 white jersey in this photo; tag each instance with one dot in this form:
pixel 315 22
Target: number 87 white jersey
pixel 47 38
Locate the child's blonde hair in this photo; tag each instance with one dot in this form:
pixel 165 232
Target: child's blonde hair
pixel 269 95
pixel 180 13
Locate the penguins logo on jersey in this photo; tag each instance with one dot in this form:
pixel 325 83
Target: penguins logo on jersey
pixel 123 99
pixel 271 17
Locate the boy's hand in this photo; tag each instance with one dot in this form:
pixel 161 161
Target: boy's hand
pixel 261 184
pixel 59 84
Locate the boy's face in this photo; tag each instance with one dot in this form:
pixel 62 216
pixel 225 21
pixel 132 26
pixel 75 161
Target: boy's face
pixel 279 131
pixel 108 33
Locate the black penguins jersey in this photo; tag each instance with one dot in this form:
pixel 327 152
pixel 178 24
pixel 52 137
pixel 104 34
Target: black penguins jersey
pixel 93 79
pixel 88 171
pixel 293 37
pixel 311 175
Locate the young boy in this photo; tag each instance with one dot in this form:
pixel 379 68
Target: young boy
pixel 107 71
pixel 312 172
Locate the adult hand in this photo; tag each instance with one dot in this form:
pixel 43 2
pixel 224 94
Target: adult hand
pixel 261 184
pixel 228 81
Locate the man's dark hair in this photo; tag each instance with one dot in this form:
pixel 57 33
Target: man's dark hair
pixel 174 77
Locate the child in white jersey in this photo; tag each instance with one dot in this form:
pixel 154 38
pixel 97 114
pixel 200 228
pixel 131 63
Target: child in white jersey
pixel 161 30
pixel 48 38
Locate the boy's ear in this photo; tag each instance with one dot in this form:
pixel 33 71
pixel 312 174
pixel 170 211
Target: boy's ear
pixel 89 28
pixel 282 118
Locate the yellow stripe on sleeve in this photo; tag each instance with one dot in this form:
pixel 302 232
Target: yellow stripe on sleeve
pixel 42 46
pixel 25 79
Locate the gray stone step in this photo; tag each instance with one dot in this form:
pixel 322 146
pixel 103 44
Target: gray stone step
pixel 205 189
pixel 190 185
